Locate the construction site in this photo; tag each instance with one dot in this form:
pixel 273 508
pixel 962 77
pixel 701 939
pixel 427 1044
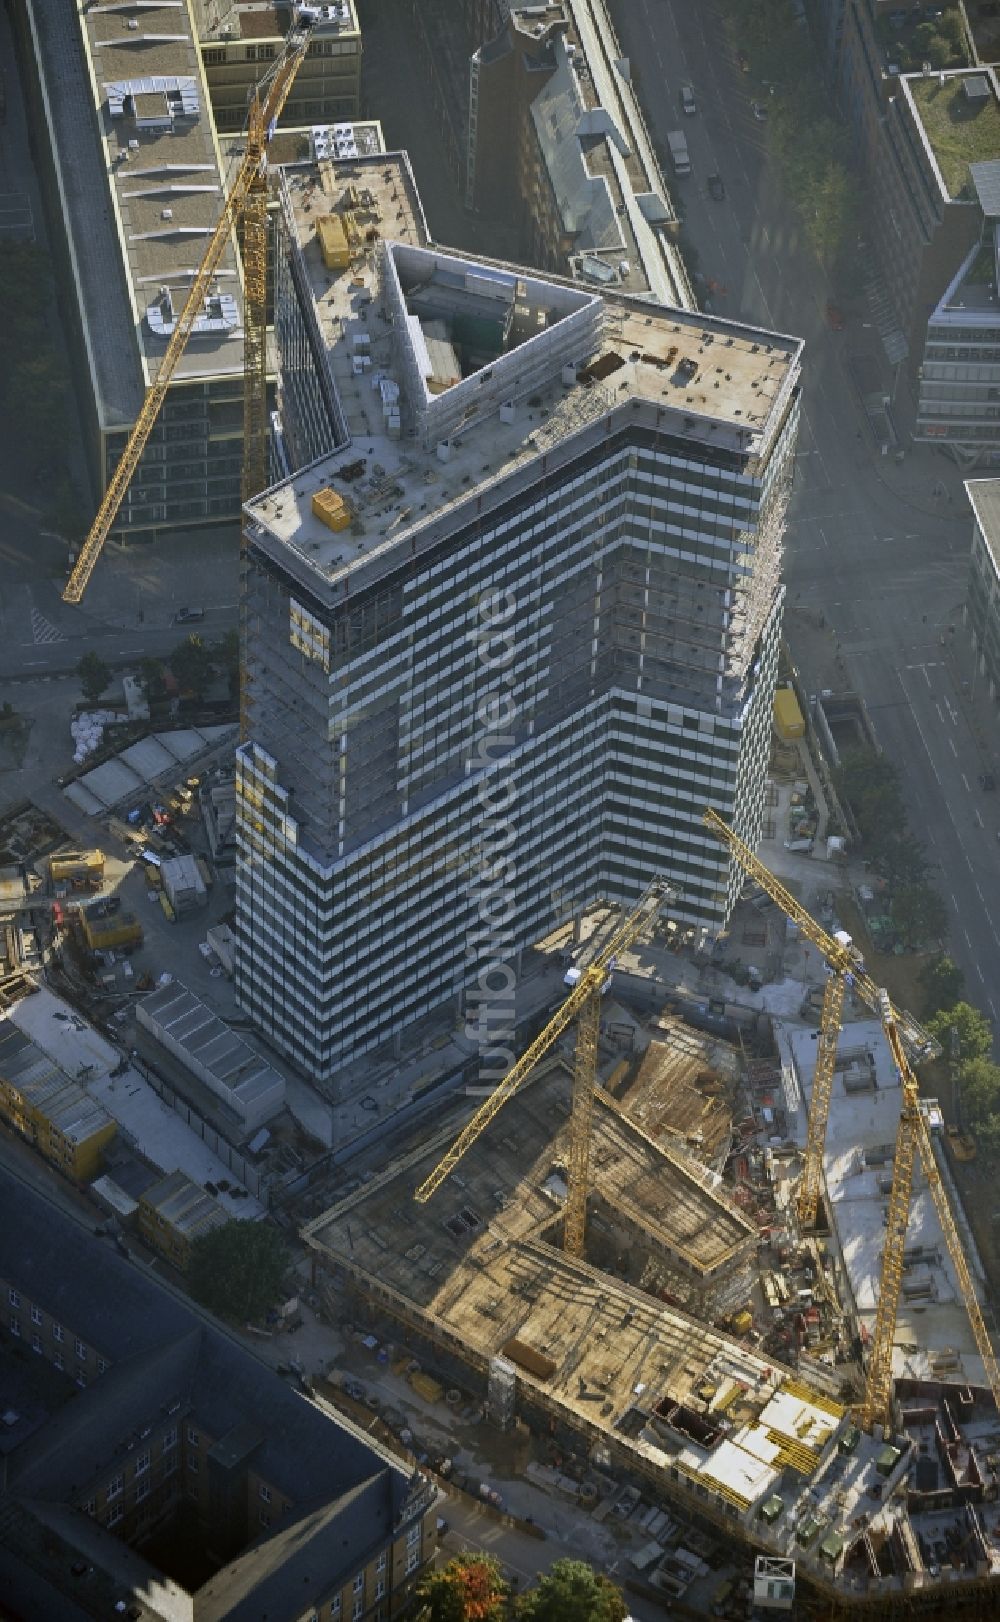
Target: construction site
pixel 701 1253
pixel 709 1342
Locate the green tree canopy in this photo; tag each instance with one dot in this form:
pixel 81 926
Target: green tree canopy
pixel 237 1270
pixel 573 1592
pixel 94 675
pixel 942 983
pixel 979 1080
pixel 191 663
pixel 918 913
pixel 973 1036
pixel 470 1588
pixel 151 676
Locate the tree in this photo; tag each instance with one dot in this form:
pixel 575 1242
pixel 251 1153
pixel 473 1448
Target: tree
pixel 237 1270
pixel 573 1592
pixel 191 663
pixel 918 913
pixel 973 1037
pixel 942 983
pixel 979 1080
pixel 470 1588
pixel 151 677
pixel 94 676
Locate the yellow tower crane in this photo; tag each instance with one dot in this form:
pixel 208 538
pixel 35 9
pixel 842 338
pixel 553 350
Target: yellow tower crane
pixel 846 967
pixel 913 1137
pixel 245 208
pixel 584 1005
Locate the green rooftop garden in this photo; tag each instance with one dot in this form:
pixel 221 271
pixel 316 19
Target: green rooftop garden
pixel 959 131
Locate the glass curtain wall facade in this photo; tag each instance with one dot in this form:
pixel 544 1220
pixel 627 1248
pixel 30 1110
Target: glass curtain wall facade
pixel 376 774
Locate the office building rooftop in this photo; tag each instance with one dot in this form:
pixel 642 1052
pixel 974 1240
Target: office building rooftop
pixel 142 200
pixel 959 114
pixel 456 373
pixel 234 20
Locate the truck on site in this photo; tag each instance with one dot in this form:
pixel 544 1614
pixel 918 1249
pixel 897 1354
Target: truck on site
pixel 679 155
pixel 76 866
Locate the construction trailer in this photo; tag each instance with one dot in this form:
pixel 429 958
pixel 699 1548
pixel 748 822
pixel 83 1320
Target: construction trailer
pixel 74 866
pixel 122 932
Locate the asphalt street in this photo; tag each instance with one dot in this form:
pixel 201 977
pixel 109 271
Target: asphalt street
pixel 869 543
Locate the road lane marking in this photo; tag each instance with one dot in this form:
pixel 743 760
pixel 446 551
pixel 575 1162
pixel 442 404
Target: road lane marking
pixel 940 712
pixel 965 780
pixel 953 749
pixel 982 825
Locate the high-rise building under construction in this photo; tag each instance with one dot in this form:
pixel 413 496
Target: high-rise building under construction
pixel 513 627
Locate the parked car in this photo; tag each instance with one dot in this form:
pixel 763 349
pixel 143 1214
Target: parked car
pixel 759 110
pixel 189 616
pixel 835 318
pixel 987 782
pixel 688 103
pixel 716 187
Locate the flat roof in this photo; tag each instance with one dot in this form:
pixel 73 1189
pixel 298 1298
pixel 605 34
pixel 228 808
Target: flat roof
pixel 722 383
pixel 348 138
pixel 163 170
pixel 984 499
pixel 47 1089
pixel 158 1132
pixel 959 114
pixel 229 21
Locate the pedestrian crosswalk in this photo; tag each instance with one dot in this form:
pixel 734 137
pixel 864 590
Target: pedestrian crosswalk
pixel 43 630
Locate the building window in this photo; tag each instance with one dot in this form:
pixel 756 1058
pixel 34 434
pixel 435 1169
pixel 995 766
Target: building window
pixel 193 1437
pixel 58 1360
pixel 335 1606
pixel 413 1537
pixel 142 1489
pixel 380 1562
pixel 169 1439
pixel 142 1463
pixel 57 1332
pixel 412 1560
pixel 193 1466
pixel 116 1514
pixel 14 1298
pixel 36 1343
pixel 264 1518
pixel 36 1315
pixel 81 1351
pixel 90 1507
pixel 359 1583
pixel 380 1588
pixel 101 1365
pixel 115 1487
pixel 357 1609
pixel 15 1326
pixel 265 1493
pixel 81 1379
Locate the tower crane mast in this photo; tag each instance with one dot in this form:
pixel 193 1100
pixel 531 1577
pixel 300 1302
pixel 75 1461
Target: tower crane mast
pixel 584 1005
pixel 245 206
pixel 846 969
pixel 912 1139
